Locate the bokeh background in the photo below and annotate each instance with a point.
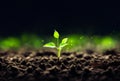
(67, 17)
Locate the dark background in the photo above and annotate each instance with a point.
(65, 16)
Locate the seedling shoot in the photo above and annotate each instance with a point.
(58, 45)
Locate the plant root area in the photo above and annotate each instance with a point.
(71, 66)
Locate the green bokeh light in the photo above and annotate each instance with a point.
(108, 42)
(74, 41)
(31, 40)
(10, 42)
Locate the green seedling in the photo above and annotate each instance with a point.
(57, 45)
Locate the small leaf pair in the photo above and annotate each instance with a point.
(57, 45)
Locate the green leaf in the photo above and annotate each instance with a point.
(50, 44)
(63, 45)
(56, 34)
(64, 40)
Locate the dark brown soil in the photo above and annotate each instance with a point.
(45, 66)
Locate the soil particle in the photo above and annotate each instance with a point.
(79, 55)
(89, 51)
(110, 52)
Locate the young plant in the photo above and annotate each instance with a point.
(57, 45)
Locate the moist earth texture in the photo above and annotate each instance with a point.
(71, 66)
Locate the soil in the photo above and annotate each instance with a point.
(71, 66)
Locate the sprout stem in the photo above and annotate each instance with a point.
(57, 42)
(59, 52)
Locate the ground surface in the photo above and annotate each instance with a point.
(45, 66)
